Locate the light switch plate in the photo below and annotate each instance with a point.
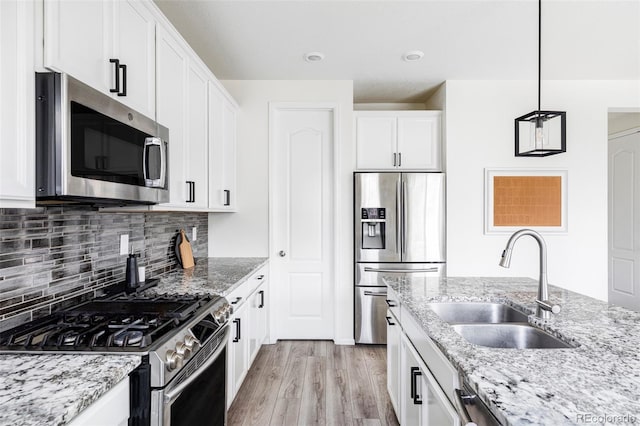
(124, 244)
(194, 233)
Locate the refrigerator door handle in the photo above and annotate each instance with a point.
(398, 215)
(400, 271)
(405, 218)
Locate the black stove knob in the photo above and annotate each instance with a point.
(174, 360)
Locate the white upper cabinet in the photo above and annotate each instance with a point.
(171, 97)
(398, 140)
(376, 140)
(134, 41)
(17, 104)
(108, 45)
(196, 138)
(222, 151)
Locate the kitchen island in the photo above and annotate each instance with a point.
(597, 381)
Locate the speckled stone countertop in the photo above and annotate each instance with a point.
(214, 275)
(46, 389)
(53, 389)
(596, 382)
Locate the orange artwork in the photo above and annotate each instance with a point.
(527, 201)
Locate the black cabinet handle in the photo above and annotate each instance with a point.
(394, 159)
(261, 293)
(236, 301)
(390, 303)
(389, 321)
(399, 159)
(259, 277)
(192, 191)
(227, 197)
(415, 373)
(116, 64)
(238, 328)
(123, 67)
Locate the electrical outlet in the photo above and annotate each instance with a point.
(194, 233)
(124, 244)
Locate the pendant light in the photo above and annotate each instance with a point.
(541, 133)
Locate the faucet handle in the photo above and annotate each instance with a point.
(547, 306)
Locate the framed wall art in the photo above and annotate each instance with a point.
(525, 198)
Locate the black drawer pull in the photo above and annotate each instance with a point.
(261, 293)
(235, 302)
(389, 321)
(391, 303)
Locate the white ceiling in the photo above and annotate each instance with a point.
(364, 41)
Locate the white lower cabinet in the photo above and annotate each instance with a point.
(422, 400)
(258, 319)
(238, 353)
(393, 360)
(111, 409)
(248, 328)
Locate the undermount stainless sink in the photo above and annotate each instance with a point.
(495, 325)
(511, 336)
(476, 312)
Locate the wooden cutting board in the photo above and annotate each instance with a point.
(186, 254)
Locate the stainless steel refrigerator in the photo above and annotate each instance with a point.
(399, 230)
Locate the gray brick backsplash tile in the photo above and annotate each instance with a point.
(54, 257)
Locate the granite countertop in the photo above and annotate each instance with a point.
(49, 389)
(600, 377)
(53, 389)
(214, 275)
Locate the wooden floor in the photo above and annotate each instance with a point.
(315, 383)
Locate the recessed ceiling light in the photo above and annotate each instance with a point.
(313, 56)
(414, 55)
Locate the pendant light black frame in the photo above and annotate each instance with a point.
(538, 118)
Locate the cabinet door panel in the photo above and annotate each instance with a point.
(196, 142)
(171, 92)
(222, 145)
(375, 142)
(77, 40)
(17, 97)
(393, 360)
(419, 143)
(238, 361)
(134, 41)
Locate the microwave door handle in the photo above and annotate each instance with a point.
(163, 164)
(148, 142)
(173, 394)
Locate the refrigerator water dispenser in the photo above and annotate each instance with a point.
(373, 228)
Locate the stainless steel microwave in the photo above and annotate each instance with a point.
(91, 149)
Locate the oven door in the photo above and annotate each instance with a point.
(199, 399)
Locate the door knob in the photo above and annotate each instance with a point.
(282, 253)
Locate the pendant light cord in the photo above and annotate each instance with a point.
(539, 49)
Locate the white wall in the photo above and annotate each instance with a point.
(480, 133)
(246, 233)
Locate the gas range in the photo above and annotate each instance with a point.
(169, 330)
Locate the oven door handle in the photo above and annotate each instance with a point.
(173, 394)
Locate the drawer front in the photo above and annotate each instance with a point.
(445, 374)
(393, 303)
(257, 278)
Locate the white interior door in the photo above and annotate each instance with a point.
(302, 221)
(624, 220)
